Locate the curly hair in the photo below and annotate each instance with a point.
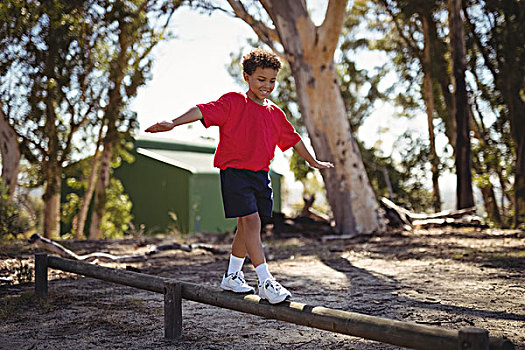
(260, 58)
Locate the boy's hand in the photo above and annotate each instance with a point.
(321, 165)
(160, 127)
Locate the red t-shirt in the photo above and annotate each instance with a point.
(248, 131)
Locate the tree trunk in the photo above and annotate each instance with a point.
(491, 204)
(348, 190)
(100, 192)
(10, 154)
(111, 114)
(517, 124)
(310, 52)
(428, 96)
(88, 195)
(439, 67)
(505, 62)
(80, 221)
(464, 195)
(487, 191)
(51, 199)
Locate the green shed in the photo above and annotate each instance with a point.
(174, 184)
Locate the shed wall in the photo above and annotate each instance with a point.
(156, 190)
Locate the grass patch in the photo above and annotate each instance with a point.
(11, 305)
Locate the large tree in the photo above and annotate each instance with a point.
(62, 72)
(496, 30)
(44, 79)
(411, 18)
(464, 194)
(309, 49)
(139, 26)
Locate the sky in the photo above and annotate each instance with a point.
(191, 69)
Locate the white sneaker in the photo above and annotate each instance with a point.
(235, 282)
(272, 291)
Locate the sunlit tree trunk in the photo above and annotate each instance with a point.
(464, 194)
(102, 184)
(88, 195)
(10, 154)
(111, 114)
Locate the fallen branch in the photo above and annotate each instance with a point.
(468, 220)
(62, 251)
(399, 216)
(55, 248)
(185, 247)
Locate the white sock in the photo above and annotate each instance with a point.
(235, 264)
(263, 273)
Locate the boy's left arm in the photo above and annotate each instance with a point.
(314, 163)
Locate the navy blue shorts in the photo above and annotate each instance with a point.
(245, 192)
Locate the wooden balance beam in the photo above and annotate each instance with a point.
(405, 334)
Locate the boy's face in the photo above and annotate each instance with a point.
(261, 83)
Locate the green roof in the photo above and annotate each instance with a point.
(194, 162)
(172, 145)
(194, 157)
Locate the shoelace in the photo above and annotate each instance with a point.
(274, 284)
(239, 277)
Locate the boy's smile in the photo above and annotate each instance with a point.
(261, 83)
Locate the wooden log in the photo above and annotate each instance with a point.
(453, 214)
(473, 339)
(172, 310)
(127, 278)
(41, 275)
(384, 330)
(398, 216)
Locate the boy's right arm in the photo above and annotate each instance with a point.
(192, 115)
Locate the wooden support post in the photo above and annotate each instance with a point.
(172, 310)
(473, 339)
(41, 275)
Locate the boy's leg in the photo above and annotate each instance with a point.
(250, 227)
(238, 245)
(251, 232)
(238, 251)
(248, 239)
(233, 280)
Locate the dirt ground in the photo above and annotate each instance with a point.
(449, 278)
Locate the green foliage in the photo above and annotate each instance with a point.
(117, 214)
(299, 167)
(407, 178)
(12, 222)
(68, 72)
(118, 211)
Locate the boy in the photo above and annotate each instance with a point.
(250, 127)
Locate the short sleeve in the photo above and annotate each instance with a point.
(215, 113)
(288, 137)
